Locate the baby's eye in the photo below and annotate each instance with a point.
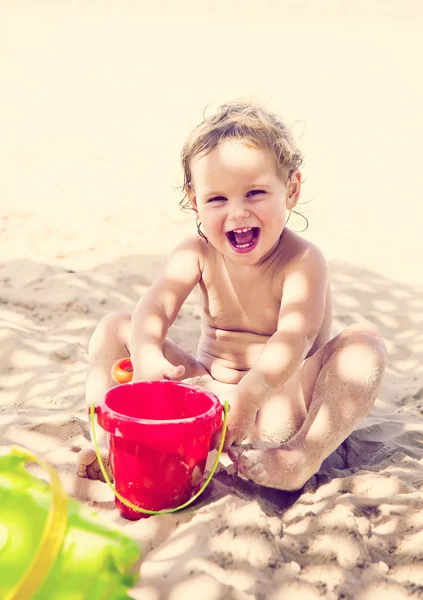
(255, 192)
(216, 199)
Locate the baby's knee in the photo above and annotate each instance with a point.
(362, 355)
(112, 323)
(112, 328)
(364, 333)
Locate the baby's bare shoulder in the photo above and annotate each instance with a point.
(297, 256)
(185, 263)
(192, 242)
(193, 247)
(299, 251)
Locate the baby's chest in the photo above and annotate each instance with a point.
(252, 307)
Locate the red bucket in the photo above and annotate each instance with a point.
(159, 435)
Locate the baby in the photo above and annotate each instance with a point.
(295, 394)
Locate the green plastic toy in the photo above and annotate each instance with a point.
(53, 549)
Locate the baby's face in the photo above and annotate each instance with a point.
(240, 198)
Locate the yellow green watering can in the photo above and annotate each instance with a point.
(51, 548)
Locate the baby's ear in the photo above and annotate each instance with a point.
(291, 201)
(293, 190)
(189, 190)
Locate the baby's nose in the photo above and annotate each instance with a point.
(238, 211)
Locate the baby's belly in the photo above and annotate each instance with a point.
(228, 355)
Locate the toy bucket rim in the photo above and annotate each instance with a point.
(216, 408)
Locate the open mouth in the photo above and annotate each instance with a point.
(245, 239)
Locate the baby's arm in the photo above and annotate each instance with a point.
(300, 318)
(157, 309)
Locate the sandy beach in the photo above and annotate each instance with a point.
(96, 101)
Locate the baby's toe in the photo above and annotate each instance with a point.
(96, 467)
(92, 473)
(89, 467)
(108, 468)
(86, 457)
(81, 471)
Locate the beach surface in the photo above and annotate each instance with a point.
(97, 99)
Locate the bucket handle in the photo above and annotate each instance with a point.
(165, 510)
(52, 536)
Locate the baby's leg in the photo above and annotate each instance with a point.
(108, 343)
(339, 385)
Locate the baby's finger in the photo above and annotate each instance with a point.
(172, 372)
(229, 440)
(234, 454)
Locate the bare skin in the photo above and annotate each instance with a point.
(293, 432)
(295, 395)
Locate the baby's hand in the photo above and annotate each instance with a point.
(241, 419)
(157, 370)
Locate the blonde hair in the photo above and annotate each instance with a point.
(255, 125)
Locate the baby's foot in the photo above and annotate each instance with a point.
(88, 465)
(282, 468)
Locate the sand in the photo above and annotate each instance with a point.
(95, 104)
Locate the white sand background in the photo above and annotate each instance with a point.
(96, 99)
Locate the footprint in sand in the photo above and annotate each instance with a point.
(67, 353)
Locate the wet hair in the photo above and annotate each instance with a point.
(256, 126)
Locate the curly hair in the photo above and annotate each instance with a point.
(253, 124)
